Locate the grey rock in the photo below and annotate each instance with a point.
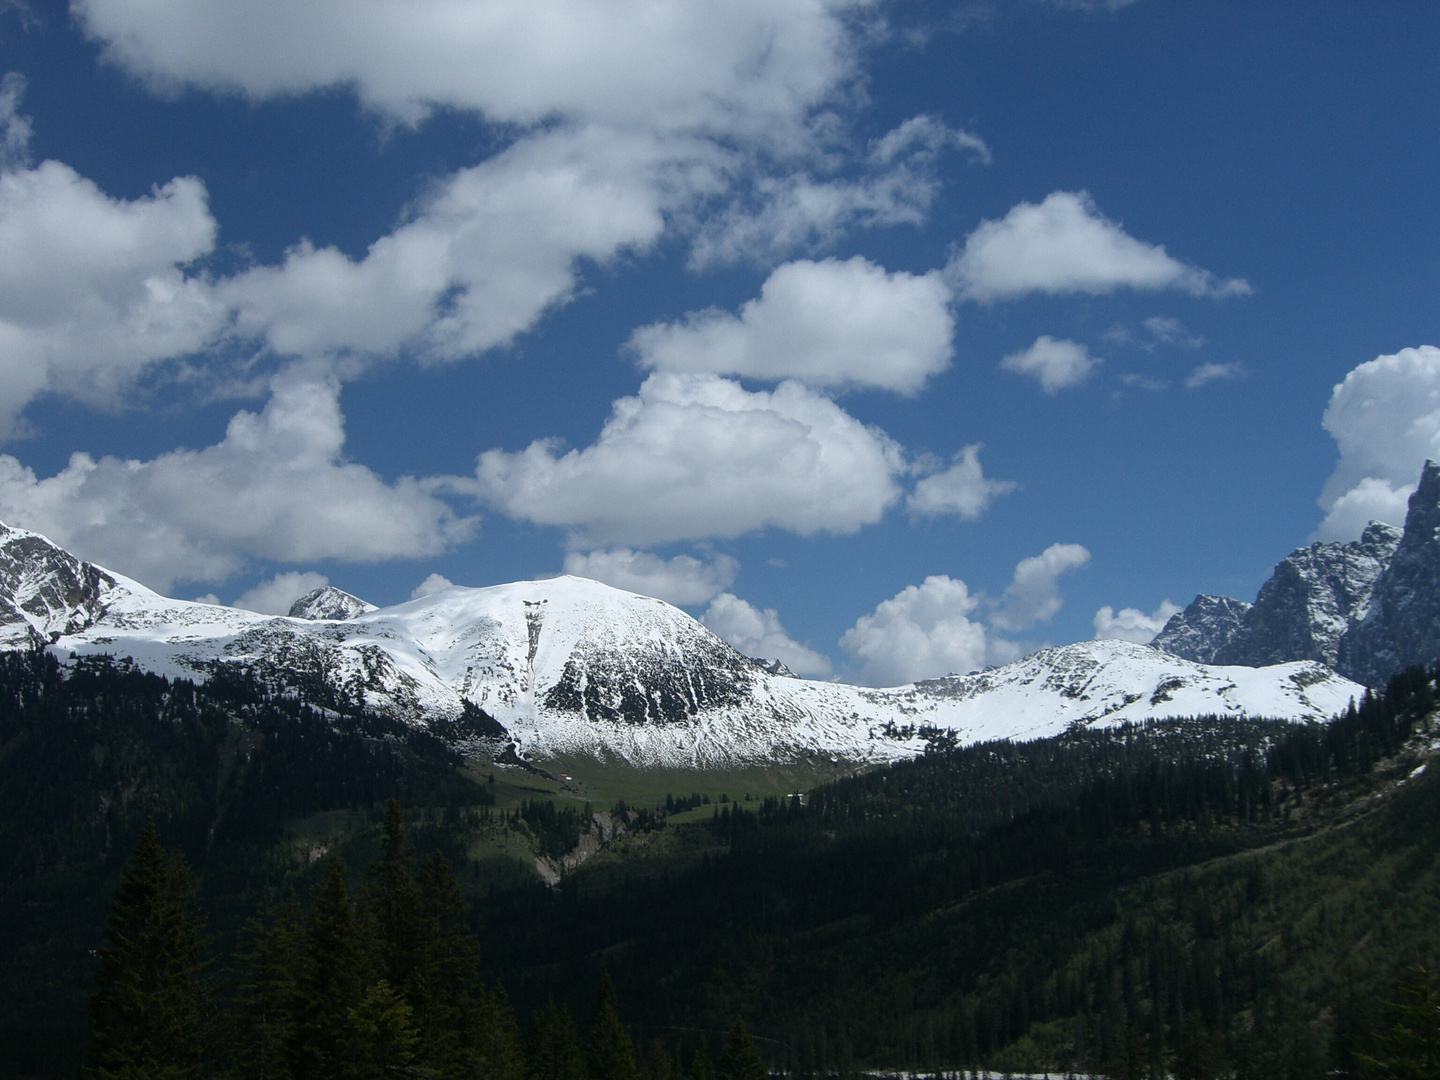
(1204, 628)
(1401, 625)
(44, 590)
(1316, 592)
(330, 604)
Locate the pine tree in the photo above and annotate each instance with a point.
(701, 1066)
(497, 1054)
(609, 1053)
(335, 974)
(1412, 1045)
(147, 1012)
(740, 1060)
(266, 1021)
(394, 902)
(551, 1050)
(445, 989)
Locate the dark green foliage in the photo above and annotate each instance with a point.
(147, 1010)
(88, 754)
(1410, 1049)
(609, 1052)
(552, 1052)
(1074, 902)
(557, 829)
(335, 978)
(740, 1060)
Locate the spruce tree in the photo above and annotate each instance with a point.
(740, 1060)
(701, 1066)
(552, 1051)
(609, 1053)
(147, 1012)
(445, 990)
(496, 1049)
(336, 971)
(266, 1001)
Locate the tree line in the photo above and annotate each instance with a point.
(351, 984)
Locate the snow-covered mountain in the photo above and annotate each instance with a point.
(1367, 608)
(570, 666)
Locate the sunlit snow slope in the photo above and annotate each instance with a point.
(570, 666)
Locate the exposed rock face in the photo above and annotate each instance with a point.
(329, 603)
(1367, 608)
(44, 590)
(1402, 624)
(1311, 600)
(1204, 628)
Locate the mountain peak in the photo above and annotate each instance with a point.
(329, 604)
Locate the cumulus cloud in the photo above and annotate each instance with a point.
(1208, 373)
(1132, 624)
(1033, 594)
(433, 584)
(681, 580)
(961, 489)
(693, 456)
(828, 323)
(92, 289)
(1056, 365)
(274, 596)
(923, 632)
(277, 487)
(1065, 245)
(485, 255)
(758, 633)
(1385, 419)
(672, 65)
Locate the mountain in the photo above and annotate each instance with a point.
(328, 602)
(568, 666)
(1400, 626)
(1367, 608)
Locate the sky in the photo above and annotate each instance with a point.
(889, 339)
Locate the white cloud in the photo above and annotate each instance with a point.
(1208, 373)
(1385, 418)
(91, 288)
(669, 65)
(1132, 624)
(758, 633)
(1033, 594)
(486, 254)
(1056, 365)
(961, 489)
(433, 584)
(682, 580)
(209, 598)
(276, 487)
(828, 323)
(14, 128)
(771, 215)
(923, 632)
(275, 595)
(695, 456)
(1064, 245)
(1171, 331)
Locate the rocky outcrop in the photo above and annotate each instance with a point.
(1367, 608)
(1401, 626)
(329, 603)
(1199, 632)
(1311, 600)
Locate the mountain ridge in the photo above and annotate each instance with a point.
(1366, 608)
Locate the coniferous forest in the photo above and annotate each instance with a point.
(222, 879)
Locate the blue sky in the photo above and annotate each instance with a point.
(891, 339)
